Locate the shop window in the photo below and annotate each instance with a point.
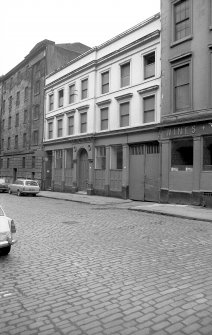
(116, 157)
(100, 158)
(149, 65)
(58, 159)
(207, 153)
(69, 158)
(182, 155)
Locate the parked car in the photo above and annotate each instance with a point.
(7, 231)
(4, 181)
(24, 186)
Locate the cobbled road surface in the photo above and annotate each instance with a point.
(84, 269)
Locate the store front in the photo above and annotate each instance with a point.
(186, 162)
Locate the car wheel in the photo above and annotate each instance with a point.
(5, 251)
(9, 191)
(18, 193)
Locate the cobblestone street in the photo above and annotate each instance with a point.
(84, 269)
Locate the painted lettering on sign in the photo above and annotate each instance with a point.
(197, 129)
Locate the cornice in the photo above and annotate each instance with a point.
(148, 89)
(124, 96)
(104, 102)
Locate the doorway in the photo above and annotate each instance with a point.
(83, 170)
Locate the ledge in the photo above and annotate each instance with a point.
(124, 96)
(148, 89)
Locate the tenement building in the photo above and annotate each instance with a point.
(22, 108)
(102, 113)
(186, 104)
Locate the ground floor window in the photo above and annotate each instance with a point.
(100, 159)
(207, 153)
(182, 155)
(116, 157)
(58, 159)
(69, 158)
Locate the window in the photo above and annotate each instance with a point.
(50, 130)
(149, 65)
(10, 103)
(16, 142)
(25, 115)
(23, 162)
(8, 143)
(124, 114)
(59, 128)
(182, 154)
(3, 124)
(11, 83)
(58, 159)
(207, 153)
(71, 93)
(37, 67)
(17, 119)
(60, 98)
(71, 125)
(35, 137)
(182, 98)
(104, 118)
(2, 144)
(3, 107)
(8, 163)
(149, 109)
(105, 82)
(36, 112)
(37, 87)
(26, 93)
(9, 122)
(84, 88)
(51, 102)
(33, 161)
(125, 74)
(69, 158)
(101, 158)
(83, 122)
(24, 140)
(182, 20)
(116, 153)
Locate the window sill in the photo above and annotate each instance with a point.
(182, 40)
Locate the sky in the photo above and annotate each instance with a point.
(24, 23)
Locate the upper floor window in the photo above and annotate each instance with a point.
(17, 119)
(10, 103)
(124, 114)
(37, 87)
(105, 82)
(59, 128)
(25, 115)
(8, 143)
(182, 20)
(17, 98)
(149, 109)
(36, 112)
(9, 122)
(84, 88)
(2, 144)
(24, 140)
(3, 107)
(50, 130)
(16, 141)
(60, 98)
(51, 102)
(149, 65)
(182, 99)
(11, 83)
(125, 74)
(35, 137)
(26, 93)
(71, 93)
(71, 125)
(83, 122)
(104, 118)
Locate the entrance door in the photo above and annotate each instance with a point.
(83, 171)
(48, 171)
(144, 172)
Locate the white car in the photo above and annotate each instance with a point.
(7, 231)
(24, 186)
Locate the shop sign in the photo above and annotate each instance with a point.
(188, 130)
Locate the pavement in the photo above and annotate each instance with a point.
(182, 211)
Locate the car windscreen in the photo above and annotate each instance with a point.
(31, 183)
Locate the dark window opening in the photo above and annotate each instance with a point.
(182, 155)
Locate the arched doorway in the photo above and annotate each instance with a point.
(83, 170)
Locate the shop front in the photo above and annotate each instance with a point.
(186, 163)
